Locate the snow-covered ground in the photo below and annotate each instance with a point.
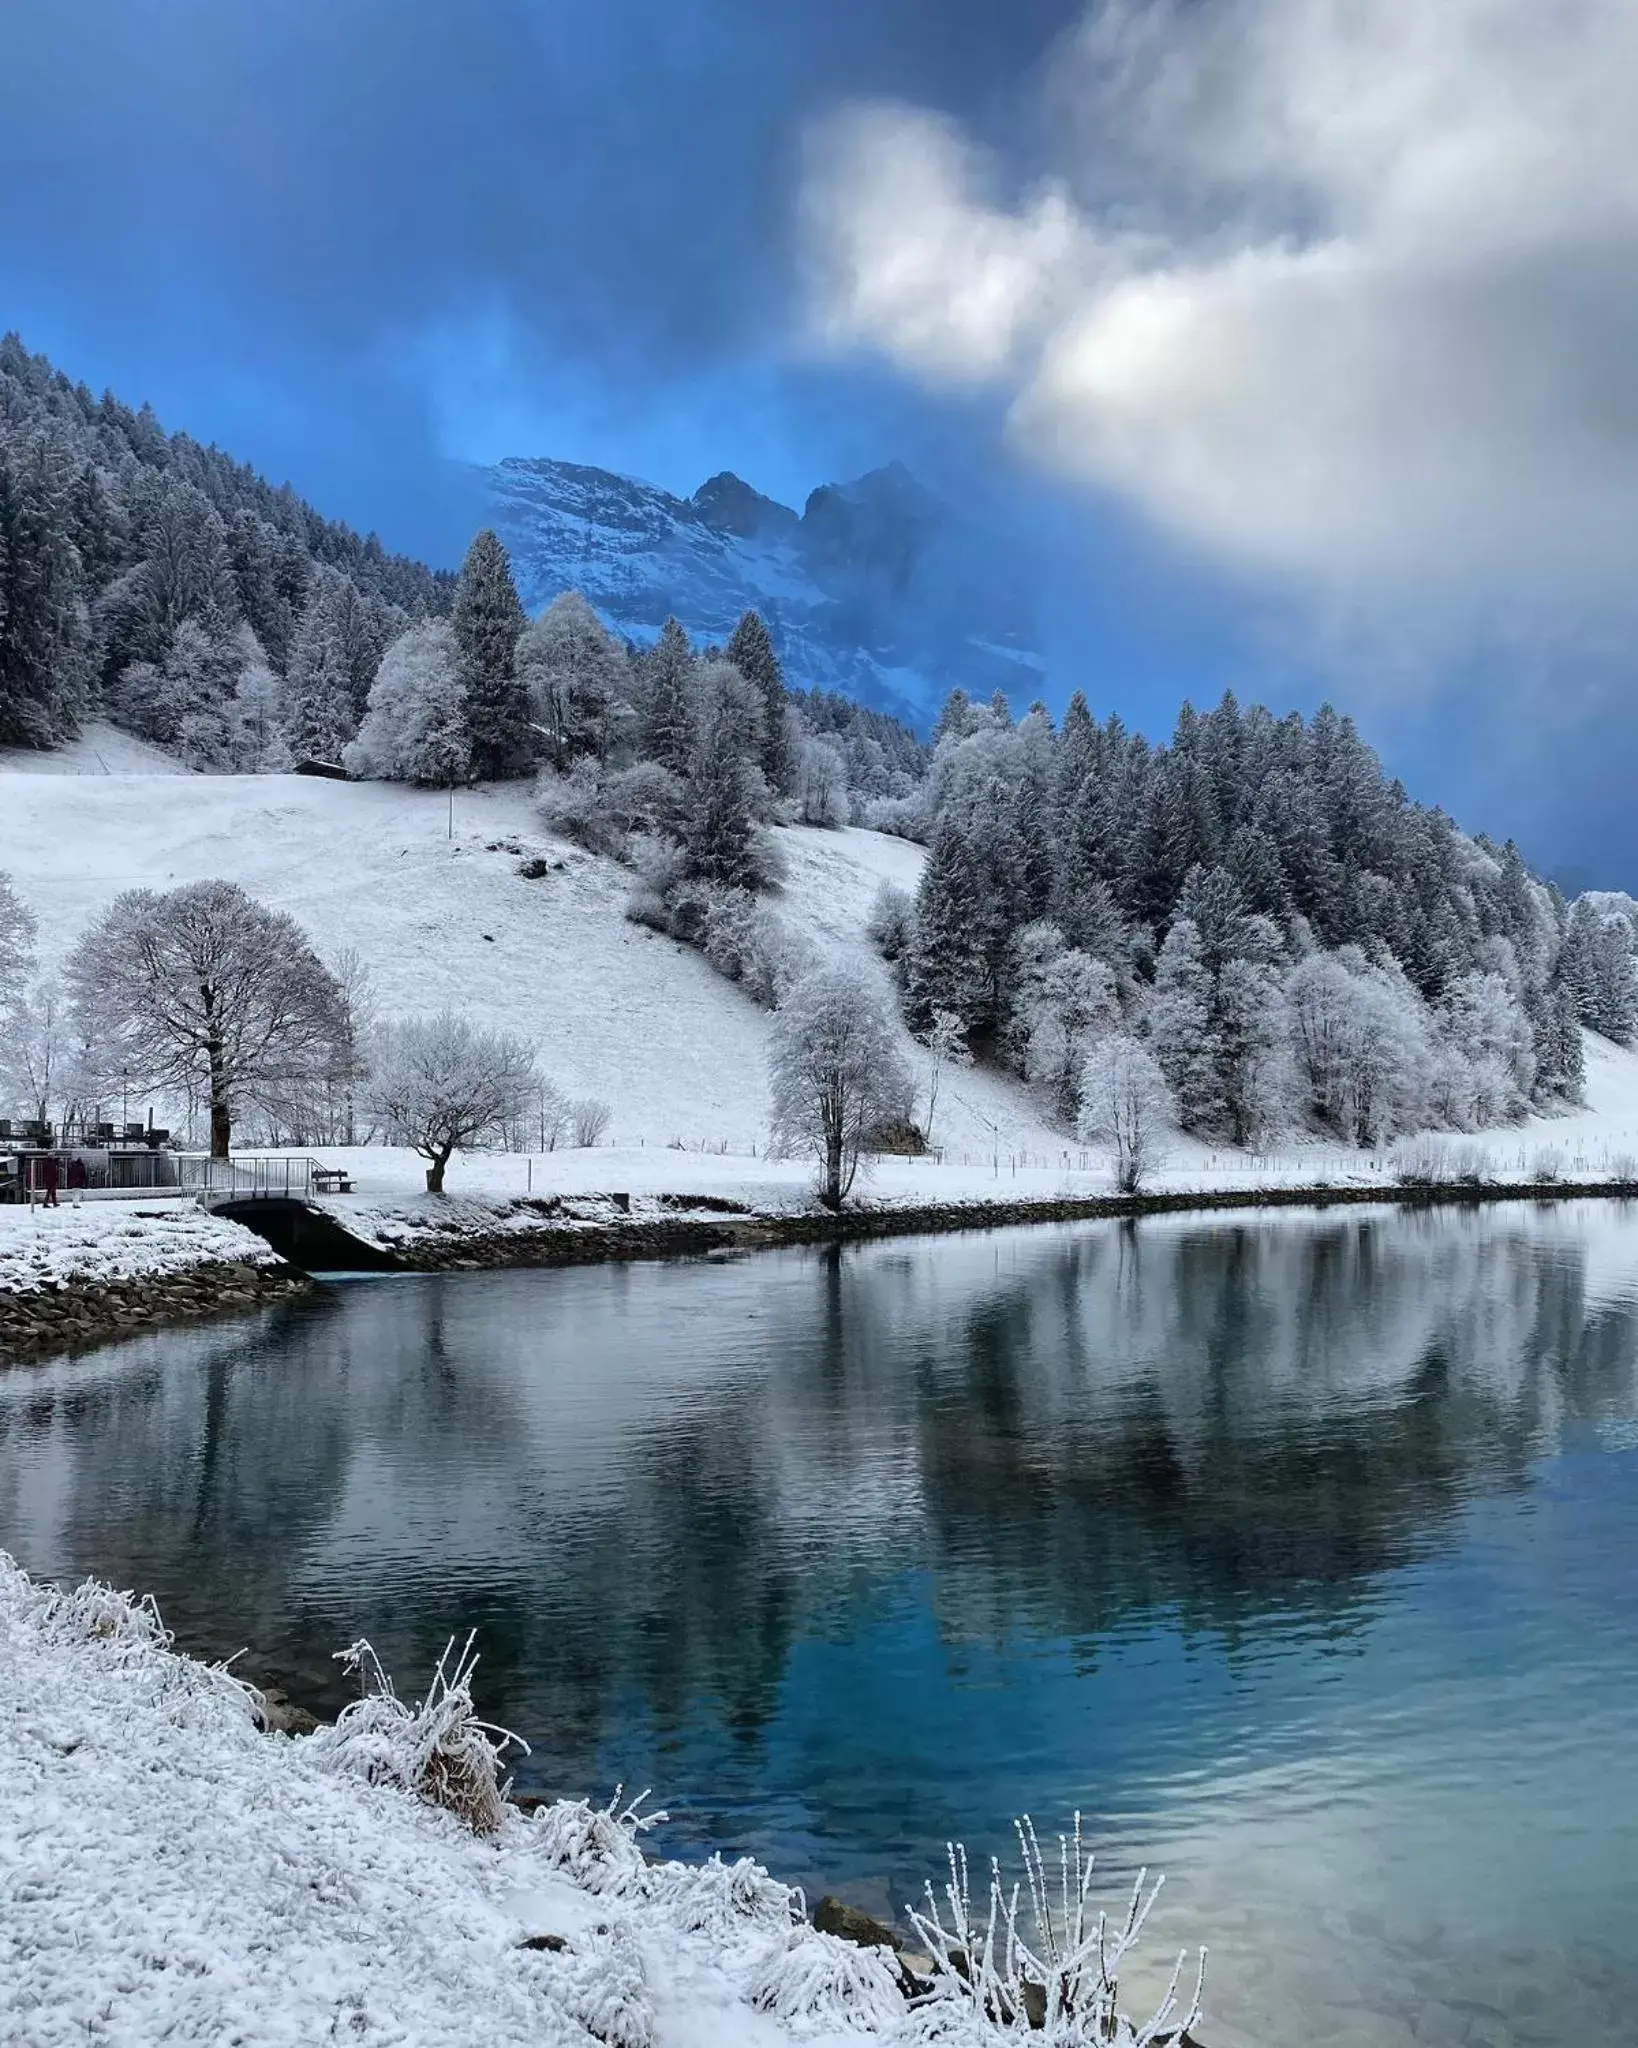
(172, 1874)
(619, 1012)
(117, 1241)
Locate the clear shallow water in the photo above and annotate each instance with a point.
(1299, 1553)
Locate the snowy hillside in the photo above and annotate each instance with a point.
(618, 1011)
(875, 590)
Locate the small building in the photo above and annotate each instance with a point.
(97, 1161)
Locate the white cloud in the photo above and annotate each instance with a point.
(1346, 290)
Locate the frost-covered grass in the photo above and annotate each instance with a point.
(109, 1241)
(172, 1874)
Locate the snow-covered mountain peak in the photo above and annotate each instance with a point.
(876, 589)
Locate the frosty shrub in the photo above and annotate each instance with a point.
(1052, 1967)
(1547, 1167)
(1125, 1103)
(835, 1071)
(589, 1119)
(598, 1847)
(438, 1749)
(904, 817)
(95, 1612)
(603, 1984)
(610, 810)
(1622, 1168)
(891, 925)
(724, 1899)
(816, 1983)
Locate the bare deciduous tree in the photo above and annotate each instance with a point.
(836, 1072)
(207, 991)
(440, 1083)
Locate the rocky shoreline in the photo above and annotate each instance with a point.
(76, 1315)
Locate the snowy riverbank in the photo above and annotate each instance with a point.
(172, 1873)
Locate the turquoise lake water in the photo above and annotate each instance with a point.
(1299, 1553)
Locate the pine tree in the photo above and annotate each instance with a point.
(720, 836)
(489, 621)
(319, 717)
(44, 633)
(665, 729)
(752, 652)
(947, 968)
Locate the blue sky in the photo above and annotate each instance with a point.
(1268, 393)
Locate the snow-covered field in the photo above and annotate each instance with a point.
(117, 1241)
(170, 1873)
(617, 1011)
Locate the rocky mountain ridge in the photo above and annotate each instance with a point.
(876, 588)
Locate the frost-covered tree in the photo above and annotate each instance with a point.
(751, 651)
(1482, 1017)
(186, 701)
(1126, 1103)
(821, 783)
(835, 1071)
(204, 989)
(1064, 1002)
(36, 1051)
(255, 718)
(579, 682)
(18, 932)
(947, 1048)
(441, 1083)
(488, 622)
(415, 727)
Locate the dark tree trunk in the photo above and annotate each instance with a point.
(435, 1174)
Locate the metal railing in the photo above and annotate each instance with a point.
(242, 1179)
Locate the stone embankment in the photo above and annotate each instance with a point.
(75, 1314)
(549, 1232)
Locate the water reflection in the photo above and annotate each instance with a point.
(1259, 1533)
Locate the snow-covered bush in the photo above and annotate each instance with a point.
(1125, 1103)
(1052, 1968)
(816, 1983)
(725, 1899)
(902, 817)
(437, 1748)
(605, 1987)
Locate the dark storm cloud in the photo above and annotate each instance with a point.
(295, 197)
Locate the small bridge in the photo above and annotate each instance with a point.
(275, 1198)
